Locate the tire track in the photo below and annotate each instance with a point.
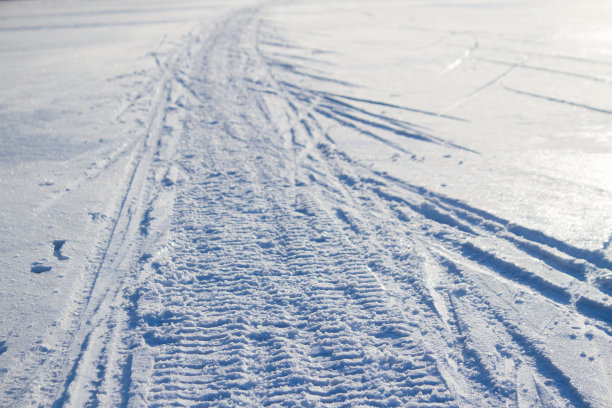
(261, 299)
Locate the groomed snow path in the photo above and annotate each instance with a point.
(255, 263)
(263, 299)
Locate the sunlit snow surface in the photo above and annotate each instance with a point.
(345, 203)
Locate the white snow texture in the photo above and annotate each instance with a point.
(306, 203)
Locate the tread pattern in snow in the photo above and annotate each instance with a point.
(252, 308)
(263, 299)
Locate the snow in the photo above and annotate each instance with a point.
(348, 203)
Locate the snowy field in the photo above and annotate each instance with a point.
(306, 203)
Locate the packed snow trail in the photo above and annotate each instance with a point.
(254, 262)
(262, 299)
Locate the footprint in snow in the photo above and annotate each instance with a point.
(57, 249)
(39, 267)
(42, 266)
(96, 216)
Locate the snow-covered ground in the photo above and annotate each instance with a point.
(306, 203)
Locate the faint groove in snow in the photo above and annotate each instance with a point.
(479, 90)
(563, 101)
(548, 70)
(365, 132)
(389, 105)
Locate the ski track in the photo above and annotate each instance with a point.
(254, 263)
